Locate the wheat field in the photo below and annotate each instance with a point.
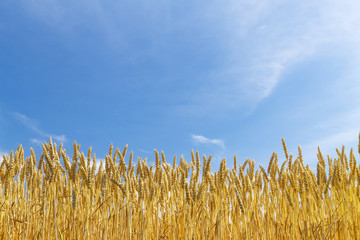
(42, 198)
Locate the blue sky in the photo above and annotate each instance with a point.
(220, 77)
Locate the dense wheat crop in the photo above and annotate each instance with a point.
(60, 197)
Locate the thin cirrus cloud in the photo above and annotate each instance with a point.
(279, 43)
(33, 125)
(242, 76)
(36, 141)
(258, 43)
(144, 151)
(204, 140)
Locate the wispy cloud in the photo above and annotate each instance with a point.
(60, 138)
(36, 141)
(201, 139)
(144, 151)
(276, 36)
(33, 125)
(260, 40)
(28, 122)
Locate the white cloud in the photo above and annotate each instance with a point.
(36, 141)
(28, 122)
(259, 41)
(33, 125)
(144, 151)
(60, 138)
(266, 39)
(202, 139)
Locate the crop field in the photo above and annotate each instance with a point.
(62, 195)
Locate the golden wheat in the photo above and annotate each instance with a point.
(44, 199)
